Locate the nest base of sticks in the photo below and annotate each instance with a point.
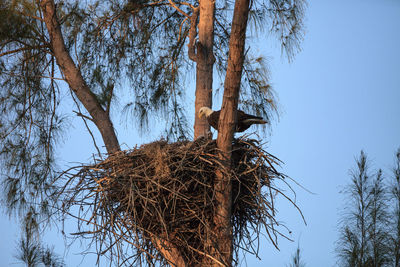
(166, 191)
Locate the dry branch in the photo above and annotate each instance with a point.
(166, 190)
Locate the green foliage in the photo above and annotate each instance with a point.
(395, 225)
(130, 50)
(284, 18)
(134, 45)
(378, 231)
(354, 229)
(29, 248)
(368, 235)
(29, 121)
(259, 97)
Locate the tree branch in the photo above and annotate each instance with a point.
(173, 4)
(22, 49)
(75, 80)
(192, 34)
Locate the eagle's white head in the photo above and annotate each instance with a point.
(205, 112)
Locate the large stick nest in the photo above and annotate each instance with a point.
(165, 192)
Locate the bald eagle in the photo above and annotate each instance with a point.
(244, 120)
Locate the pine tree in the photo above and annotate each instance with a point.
(395, 216)
(30, 250)
(378, 232)
(97, 49)
(296, 259)
(364, 232)
(353, 250)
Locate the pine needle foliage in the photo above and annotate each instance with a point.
(30, 250)
(364, 229)
(30, 123)
(139, 44)
(296, 259)
(125, 50)
(395, 215)
(285, 20)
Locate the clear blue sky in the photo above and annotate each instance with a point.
(340, 95)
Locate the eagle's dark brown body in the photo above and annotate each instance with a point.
(244, 120)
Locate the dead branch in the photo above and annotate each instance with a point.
(164, 193)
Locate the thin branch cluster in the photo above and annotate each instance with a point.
(164, 191)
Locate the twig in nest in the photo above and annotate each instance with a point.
(166, 190)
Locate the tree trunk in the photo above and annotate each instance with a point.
(170, 253)
(99, 116)
(205, 63)
(227, 122)
(75, 80)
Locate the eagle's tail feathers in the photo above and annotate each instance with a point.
(254, 121)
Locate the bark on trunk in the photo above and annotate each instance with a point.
(205, 63)
(75, 80)
(227, 122)
(170, 253)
